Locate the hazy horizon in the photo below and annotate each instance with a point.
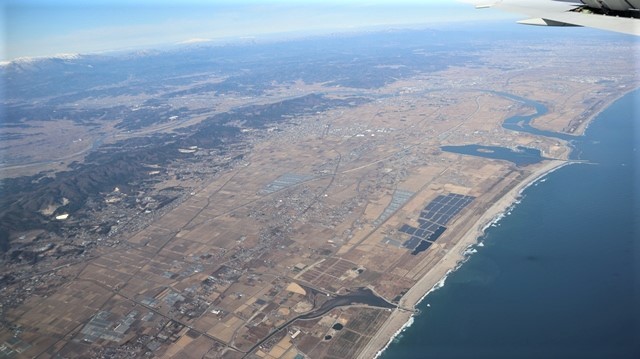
(41, 29)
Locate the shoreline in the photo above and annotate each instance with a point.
(608, 104)
(435, 278)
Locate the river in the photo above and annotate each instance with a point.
(560, 276)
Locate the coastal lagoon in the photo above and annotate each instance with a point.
(521, 156)
(559, 275)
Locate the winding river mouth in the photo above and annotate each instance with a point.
(520, 155)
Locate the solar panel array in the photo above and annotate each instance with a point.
(433, 220)
(284, 181)
(400, 197)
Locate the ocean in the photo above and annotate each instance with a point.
(559, 276)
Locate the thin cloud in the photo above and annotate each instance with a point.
(126, 26)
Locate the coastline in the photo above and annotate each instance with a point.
(401, 319)
(585, 125)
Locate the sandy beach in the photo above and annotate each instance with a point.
(450, 261)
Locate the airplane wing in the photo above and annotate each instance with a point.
(614, 15)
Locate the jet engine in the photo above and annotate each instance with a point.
(607, 6)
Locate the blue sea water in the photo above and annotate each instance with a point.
(560, 276)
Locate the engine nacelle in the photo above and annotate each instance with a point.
(613, 5)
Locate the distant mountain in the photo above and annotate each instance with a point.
(129, 91)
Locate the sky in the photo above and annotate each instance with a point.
(31, 28)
